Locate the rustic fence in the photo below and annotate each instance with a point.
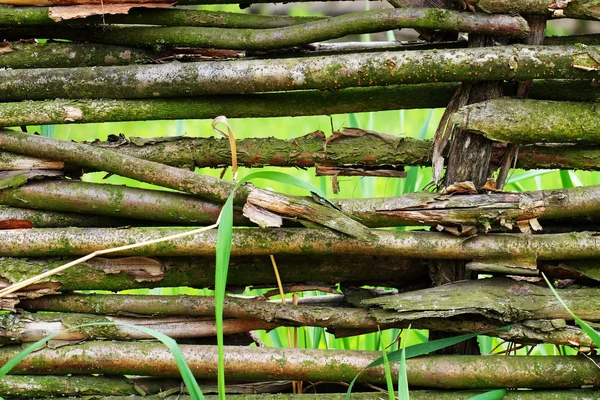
(514, 99)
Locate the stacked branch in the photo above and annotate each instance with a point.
(339, 248)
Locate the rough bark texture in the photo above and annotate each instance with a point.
(260, 363)
(531, 121)
(290, 74)
(117, 274)
(159, 38)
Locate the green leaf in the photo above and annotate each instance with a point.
(388, 372)
(186, 373)
(402, 377)
(491, 395)
(591, 332)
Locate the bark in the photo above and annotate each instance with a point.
(581, 9)
(37, 326)
(259, 363)
(548, 326)
(258, 105)
(68, 55)
(115, 274)
(50, 385)
(486, 211)
(581, 394)
(511, 250)
(531, 121)
(265, 104)
(160, 38)
(116, 201)
(165, 17)
(159, 174)
(28, 218)
(290, 74)
(499, 299)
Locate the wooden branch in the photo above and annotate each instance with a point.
(123, 273)
(37, 326)
(50, 385)
(259, 363)
(375, 395)
(148, 16)
(265, 104)
(13, 218)
(163, 175)
(116, 201)
(68, 55)
(531, 121)
(517, 251)
(289, 74)
(582, 9)
(160, 38)
(528, 324)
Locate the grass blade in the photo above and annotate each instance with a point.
(491, 395)
(223, 253)
(388, 371)
(591, 332)
(417, 350)
(402, 378)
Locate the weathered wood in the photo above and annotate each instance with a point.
(582, 9)
(531, 121)
(162, 37)
(159, 174)
(332, 72)
(116, 274)
(308, 365)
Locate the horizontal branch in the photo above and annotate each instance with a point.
(38, 326)
(67, 55)
(164, 16)
(160, 38)
(261, 363)
(582, 9)
(511, 250)
(414, 394)
(116, 201)
(518, 311)
(116, 274)
(258, 105)
(13, 218)
(266, 104)
(289, 74)
(51, 385)
(531, 121)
